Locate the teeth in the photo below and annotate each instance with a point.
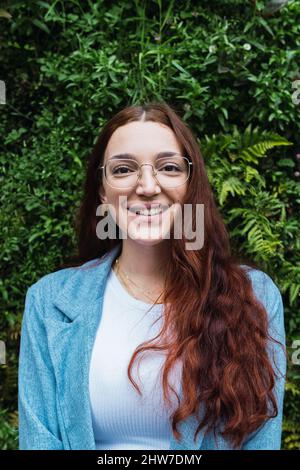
(153, 211)
(149, 212)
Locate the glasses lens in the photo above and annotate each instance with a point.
(170, 172)
(121, 173)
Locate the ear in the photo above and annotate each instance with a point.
(101, 194)
(103, 198)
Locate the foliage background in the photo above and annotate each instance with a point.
(228, 68)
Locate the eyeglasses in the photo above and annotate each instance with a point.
(169, 172)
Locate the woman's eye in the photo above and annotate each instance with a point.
(121, 170)
(169, 168)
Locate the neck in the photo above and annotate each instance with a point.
(142, 261)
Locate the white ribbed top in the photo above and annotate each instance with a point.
(122, 419)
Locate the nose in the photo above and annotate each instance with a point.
(147, 183)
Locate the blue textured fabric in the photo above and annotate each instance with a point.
(61, 316)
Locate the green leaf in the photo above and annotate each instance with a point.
(5, 14)
(41, 25)
(179, 67)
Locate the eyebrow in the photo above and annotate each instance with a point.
(125, 156)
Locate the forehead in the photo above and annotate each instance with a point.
(142, 138)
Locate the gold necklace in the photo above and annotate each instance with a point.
(144, 291)
(130, 289)
(125, 278)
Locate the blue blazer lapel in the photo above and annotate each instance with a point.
(71, 342)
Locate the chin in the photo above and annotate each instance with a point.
(145, 237)
(146, 242)
(144, 232)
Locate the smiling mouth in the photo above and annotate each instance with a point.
(148, 213)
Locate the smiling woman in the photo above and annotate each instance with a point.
(216, 339)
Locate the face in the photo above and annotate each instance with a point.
(144, 140)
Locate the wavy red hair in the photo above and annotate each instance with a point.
(219, 329)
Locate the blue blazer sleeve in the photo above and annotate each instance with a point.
(38, 423)
(268, 436)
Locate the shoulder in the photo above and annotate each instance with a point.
(268, 293)
(57, 279)
(41, 293)
(65, 294)
(264, 286)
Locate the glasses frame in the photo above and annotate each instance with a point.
(154, 173)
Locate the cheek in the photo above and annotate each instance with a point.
(112, 196)
(118, 204)
(177, 196)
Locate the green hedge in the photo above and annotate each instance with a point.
(227, 67)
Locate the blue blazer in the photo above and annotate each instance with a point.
(61, 316)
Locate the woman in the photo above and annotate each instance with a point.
(212, 328)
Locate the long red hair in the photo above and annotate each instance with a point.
(219, 329)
